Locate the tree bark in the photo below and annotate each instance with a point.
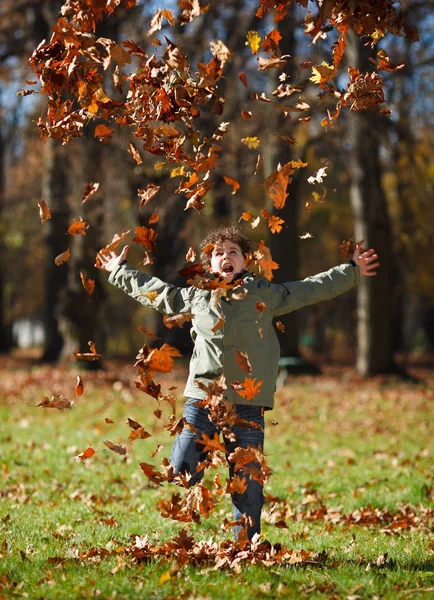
(5, 332)
(374, 294)
(54, 192)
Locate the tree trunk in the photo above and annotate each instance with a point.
(5, 333)
(54, 192)
(374, 294)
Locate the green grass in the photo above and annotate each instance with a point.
(337, 443)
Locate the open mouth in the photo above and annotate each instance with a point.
(228, 269)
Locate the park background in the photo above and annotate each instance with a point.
(350, 439)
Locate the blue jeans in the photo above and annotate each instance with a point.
(187, 453)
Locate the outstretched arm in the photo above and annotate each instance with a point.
(147, 290)
(294, 295)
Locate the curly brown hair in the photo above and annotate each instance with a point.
(230, 233)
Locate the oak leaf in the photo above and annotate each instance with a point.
(78, 227)
(56, 401)
(177, 320)
(118, 448)
(146, 236)
(150, 472)
(249, 388)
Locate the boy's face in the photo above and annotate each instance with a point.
(227, 259)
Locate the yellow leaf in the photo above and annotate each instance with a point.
(164, 577)
(253, 40)
(178, 172)
(251, 142)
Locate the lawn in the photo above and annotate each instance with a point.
(349, 509)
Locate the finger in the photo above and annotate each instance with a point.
(123, 254)
(375, 266)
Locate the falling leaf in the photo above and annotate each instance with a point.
(253, 41)
(178, 172)
(280, 326)
(273, 221)
(135, 153)
(161, 359)
(78, 227)
(151, 473)
(56, 401)
(139, 433)
(44, 211)
(107, 420)
(157, 450)
(243, 361)
(348, 248)
(246, 216)
(243, 79)
(118, 448)
(264, 260)
(103, 133)
(233, 182)
(88, 284)
(89, 190)
(318, 177)
(153, 218)
(322, 73)
(86, 454)
(117, 239)
(246, 114)
(177, 320)
(306, 236)
(236, 485)
(146, 236)
(248, 389)
(258, 164)
(147, 194)
(62, 258)
(92, 355)
(211, 443)
(251, 142)
(191, 255)
(79, 386)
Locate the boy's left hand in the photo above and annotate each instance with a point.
(368, 261)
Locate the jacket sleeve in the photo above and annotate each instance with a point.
(287, 297)
(170, 300)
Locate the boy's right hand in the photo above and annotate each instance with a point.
(109, 262)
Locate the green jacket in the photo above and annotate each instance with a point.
(245, 328)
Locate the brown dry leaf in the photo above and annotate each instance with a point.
(348, 248)
(86, 453)
(88, 284)
(79, 386)
(147, 194)
(103, 133)
(177, 320)
(56, 401)
(107, 420)
(150, 472)
(134, 153)
(306, 236)
(62, 258)
(243, 79)
(261, 307)
(243, 361)
(147, 237)
(236, 485)
(157, 450)
(246, 216)
(146, 332)
(273, 221)
(191, 255)
(280, 326)
(118, 448)
(139, 434)
(92, 355)
(117, 239)
(78, 227)
(89, 190)
(44, 211)
(246, 114)
(233, 182)
(264, 260)
(258, 164)
(211, 444)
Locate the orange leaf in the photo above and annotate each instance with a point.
(86, 454)
(56, 401)
(211, 443)
(249, 388)
(134, 153)
(261, 307)
(264, 261)
(146, 236)
(88, 284)
(79, 386)
(153, 218)
(236, 485)
(246, 114)
(219, 324)
(177, 320)
(78, 227)
(247, 216)
(161, 359)
(280, 326)
(103, 132)
(233, 182)
(151, 473)
(148, 194)
(44, 211)
(64, 257)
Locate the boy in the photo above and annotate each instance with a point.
(240, 321)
